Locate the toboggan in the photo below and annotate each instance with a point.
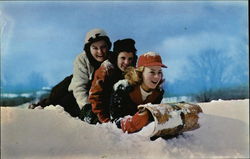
(173, 118)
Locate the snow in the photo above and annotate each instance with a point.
(174, 121)
(122, 83)
(148, 130)
(151, 54)
(27, 95)
(178, 99)
(52, 133)
(107, 65)
(9, 95)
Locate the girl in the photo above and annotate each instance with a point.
(141, 85)
(96, 50)
(72, 92)
(110, 72)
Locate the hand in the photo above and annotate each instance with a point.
(87, 115)
(118, 123)
(103, 118)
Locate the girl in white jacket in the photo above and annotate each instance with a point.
(96, 50)
(72, 92)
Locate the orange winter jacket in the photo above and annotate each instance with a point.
(140, 119)
(102, 85)
(125, 100)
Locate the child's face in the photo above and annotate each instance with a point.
(151, 76)
(99, 50)
(124, 60)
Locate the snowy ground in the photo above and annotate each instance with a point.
(52, 133)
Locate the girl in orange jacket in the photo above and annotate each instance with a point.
(141, 85)
(110, 72)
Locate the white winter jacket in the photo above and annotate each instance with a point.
(82, 77)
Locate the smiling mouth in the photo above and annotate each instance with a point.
(124, 66)
(154, 82)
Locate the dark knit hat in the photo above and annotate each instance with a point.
(127, 45)
(150, 59)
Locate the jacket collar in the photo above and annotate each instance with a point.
(136, 96)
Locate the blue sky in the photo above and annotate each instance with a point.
(43, 38)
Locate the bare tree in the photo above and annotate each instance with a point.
(207, 72)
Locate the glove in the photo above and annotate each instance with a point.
(118, 123)
(87, 115)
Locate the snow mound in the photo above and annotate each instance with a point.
(53, 133)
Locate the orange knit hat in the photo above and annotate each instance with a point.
(150, 59)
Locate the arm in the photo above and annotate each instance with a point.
(96, 94)
(140, 119)
(119, 99)
(80, 83)
(136, 122)
(115, 105)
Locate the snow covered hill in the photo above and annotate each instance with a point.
(52, 133)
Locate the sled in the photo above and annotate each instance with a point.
(173, 118)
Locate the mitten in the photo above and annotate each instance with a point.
(118, 123)
(87, 115)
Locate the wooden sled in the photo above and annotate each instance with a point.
(173, 118)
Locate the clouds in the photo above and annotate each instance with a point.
(178, 52)
(6, 30)
(45, 37)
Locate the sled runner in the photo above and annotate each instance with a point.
(173, 118)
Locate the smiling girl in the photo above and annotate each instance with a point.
(72, 92)
(141, 85)
(110, 72)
